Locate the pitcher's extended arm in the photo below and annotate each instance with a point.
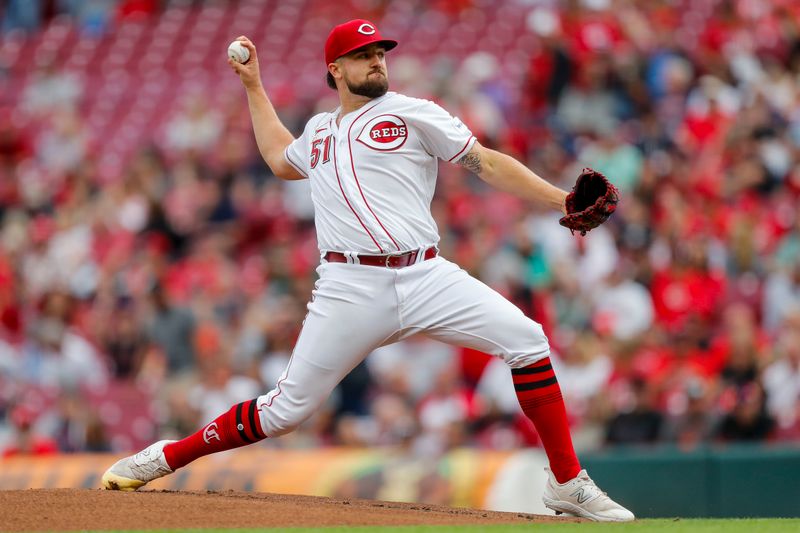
(272, 136)
(506, 173)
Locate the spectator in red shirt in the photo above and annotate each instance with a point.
(26, 440)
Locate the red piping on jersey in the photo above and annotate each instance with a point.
(353, 166)
(465, 147)
(336, 168)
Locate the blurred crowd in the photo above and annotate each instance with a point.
(139, 307)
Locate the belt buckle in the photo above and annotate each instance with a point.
(390, 256)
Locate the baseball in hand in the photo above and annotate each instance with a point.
(238, 52)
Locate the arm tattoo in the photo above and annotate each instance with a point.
(472, 162)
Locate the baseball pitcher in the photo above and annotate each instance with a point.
(372, 164)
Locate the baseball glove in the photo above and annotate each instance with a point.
(591, 202)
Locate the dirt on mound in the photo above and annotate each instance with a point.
(75, 509)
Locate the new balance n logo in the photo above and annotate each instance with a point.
(581, 495)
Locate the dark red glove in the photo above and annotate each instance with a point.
(591, 202)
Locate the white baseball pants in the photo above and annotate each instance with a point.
(355, 309)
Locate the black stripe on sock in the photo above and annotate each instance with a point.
(251, 414)
(522, 387)
(240, 426)
(541, 400)
(531, 370)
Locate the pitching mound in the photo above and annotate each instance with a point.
(73, 509)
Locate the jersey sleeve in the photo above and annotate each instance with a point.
(442, 134)
(298, 153)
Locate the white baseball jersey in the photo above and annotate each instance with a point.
(373, 175)
(372, 181)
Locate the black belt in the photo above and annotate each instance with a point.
(398, 260)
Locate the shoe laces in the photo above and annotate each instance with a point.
(146, 462)
(588, 484)
(143, 457)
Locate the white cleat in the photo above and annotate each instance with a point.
(137, 470)
(582, 498)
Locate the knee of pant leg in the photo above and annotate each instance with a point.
(533, 347)
(276, 422)
(524, 360)
(276, 425)
(279, 416)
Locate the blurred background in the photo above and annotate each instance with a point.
(153, 272)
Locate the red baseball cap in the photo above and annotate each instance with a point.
(346, 37)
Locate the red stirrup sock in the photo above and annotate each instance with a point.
(540, 398)
(238, 427)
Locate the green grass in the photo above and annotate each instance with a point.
(744, 525)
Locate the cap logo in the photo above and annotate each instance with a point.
(384, 133)
(366, 29)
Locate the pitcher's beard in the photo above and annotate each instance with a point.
(371, 88)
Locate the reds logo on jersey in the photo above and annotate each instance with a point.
(384, 133)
